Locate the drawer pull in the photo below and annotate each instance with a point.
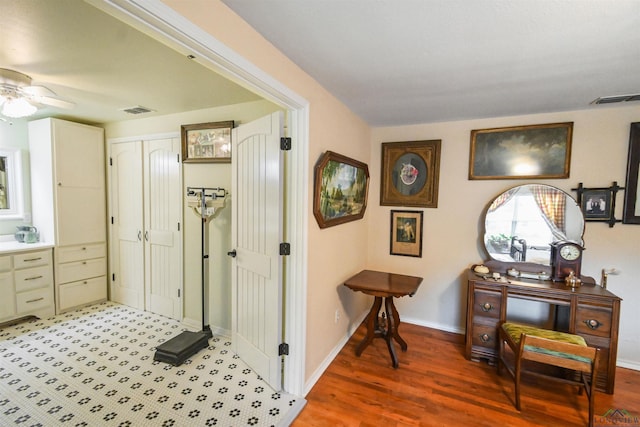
(84, 262)
(84, 249)
(35, 300)
(593, 324)
(486, 306)
(33, 278)
(33, 259)
(485, 338)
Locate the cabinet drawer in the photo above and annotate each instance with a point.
(487, 304)
(484, 336)
(74, 271)
(591, 320)
(5, 263)
(82, 292)
(80, 252)
(34, 300)
(31, 259)
(33, 278)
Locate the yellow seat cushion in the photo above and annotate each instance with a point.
(515, 331)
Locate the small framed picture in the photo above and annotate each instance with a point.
(597, 204)
(406, 233)
(207, 142)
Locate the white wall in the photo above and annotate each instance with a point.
(452, 231)
(202, 175)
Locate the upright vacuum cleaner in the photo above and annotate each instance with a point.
(207, 204)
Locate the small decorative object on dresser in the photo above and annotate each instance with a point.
(566, 259)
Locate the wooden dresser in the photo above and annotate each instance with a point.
(589, 311)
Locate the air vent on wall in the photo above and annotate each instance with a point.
(616, 98)
(138, 109)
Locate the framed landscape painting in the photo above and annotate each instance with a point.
(341, 185)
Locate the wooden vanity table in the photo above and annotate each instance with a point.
(589, 311)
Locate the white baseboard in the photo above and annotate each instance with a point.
(332, 355)
(628, 364)
(192, 324)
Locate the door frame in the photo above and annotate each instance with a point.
(167, 26)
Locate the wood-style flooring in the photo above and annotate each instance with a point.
(436, 386)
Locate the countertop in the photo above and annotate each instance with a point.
(15, 246)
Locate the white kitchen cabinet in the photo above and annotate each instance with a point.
(69, 204)
(26, 284)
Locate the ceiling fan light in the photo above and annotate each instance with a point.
(17, 108)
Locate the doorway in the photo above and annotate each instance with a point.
(172, 29)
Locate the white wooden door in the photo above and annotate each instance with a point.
(257, 230)
(126, 244)
(162, 219)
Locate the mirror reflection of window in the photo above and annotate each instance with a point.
(4, 201)
(11, 200)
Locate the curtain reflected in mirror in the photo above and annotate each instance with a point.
(522, 222)
(4, 181)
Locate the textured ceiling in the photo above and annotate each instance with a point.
(396, 62)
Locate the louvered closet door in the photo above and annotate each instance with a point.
(162, 218)
(256, 235)
(126, 246)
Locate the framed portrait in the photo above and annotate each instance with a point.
(410, 173)
(597, 204)
(341, 185)
(521, 152)
(631, 210)
(406, 233)
(207, 142)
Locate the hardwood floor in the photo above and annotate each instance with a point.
(436, 386)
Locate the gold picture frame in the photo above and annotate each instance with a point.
(521, 152)
(410, 173)
(341, 185)
(207, 142)
(406, 233)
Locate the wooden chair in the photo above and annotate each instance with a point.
(550, 348)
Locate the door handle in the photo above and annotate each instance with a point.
(140, 235)
(232, 253)
(146, 235)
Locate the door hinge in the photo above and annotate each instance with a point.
(111, 220)
(113, 277)
(285, 249)
(110, 161)
(285, 143)
(178, 158)
(178, 293)
(178, 226)
(283, 349)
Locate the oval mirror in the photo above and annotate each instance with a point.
(521, 223)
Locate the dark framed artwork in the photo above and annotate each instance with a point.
(410, 173)
(521, 152)
(341, 185)
(406, 233)
(207, 142)
(597, 204)
(631, 210)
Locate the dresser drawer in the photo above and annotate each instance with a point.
(74, 271)
(31, 259)
(82, 292)
(487, 304)
(485, 336)
(591, 320)
(5, 263)
(34, 300)
(33, 278)
(80, 252)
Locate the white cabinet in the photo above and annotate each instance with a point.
(69, 204)
(145, 206)
(26, 284)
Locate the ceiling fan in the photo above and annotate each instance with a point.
(18, 98)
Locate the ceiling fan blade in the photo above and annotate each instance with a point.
(36, 91)
(53, 102)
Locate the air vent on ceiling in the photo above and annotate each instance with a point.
(616, 98)
(138, 109)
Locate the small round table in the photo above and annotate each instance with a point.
(383, 285)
